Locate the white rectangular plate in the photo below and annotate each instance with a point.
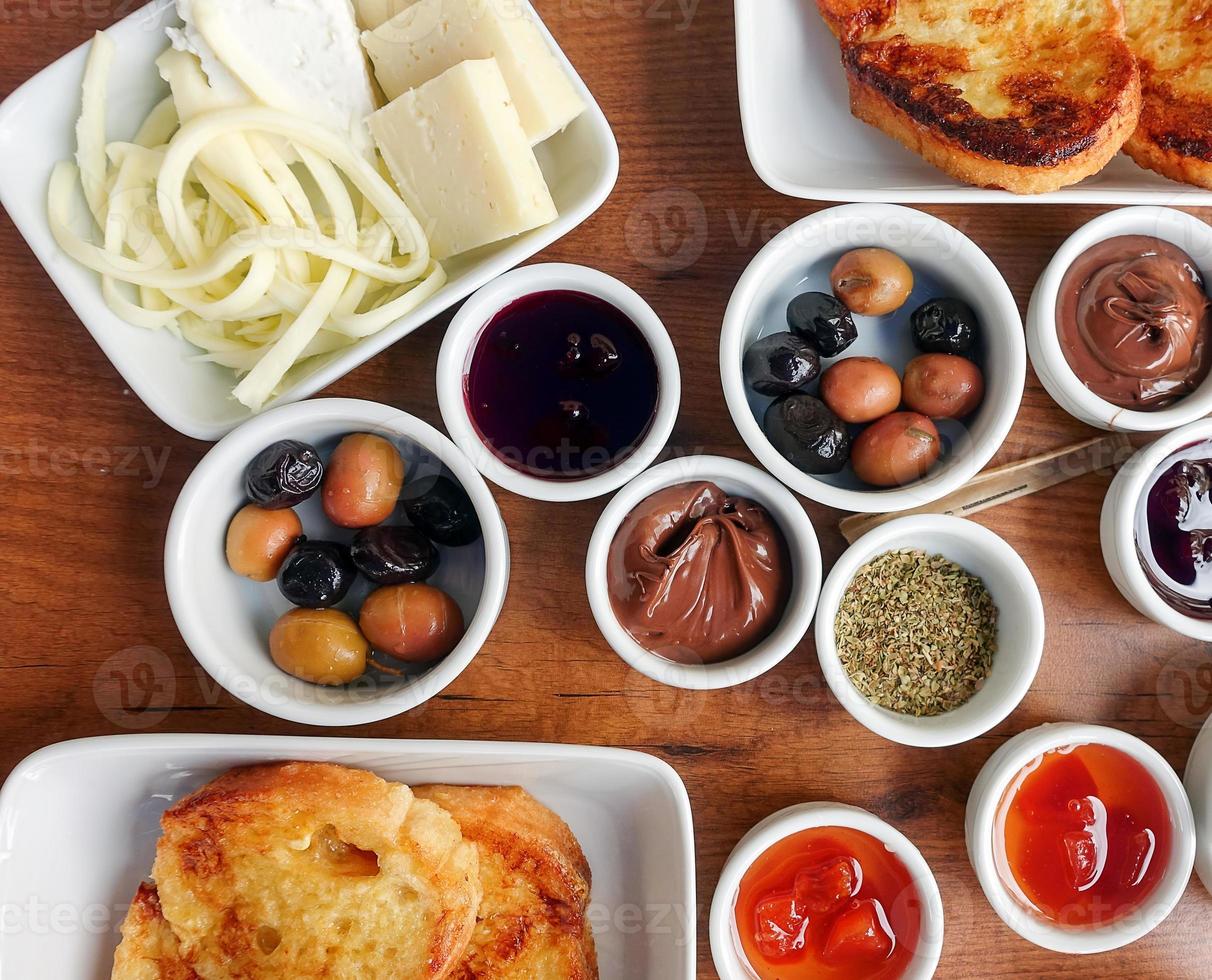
(803, 141)
(37, 129)
(79, 823)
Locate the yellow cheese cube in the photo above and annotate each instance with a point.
(431, 36)
(457, 150)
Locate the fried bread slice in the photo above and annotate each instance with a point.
(301, 869)
(1172, 40)
(536, 882)
(1025, 95)
(149, 949)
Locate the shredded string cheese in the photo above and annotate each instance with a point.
(262, 238)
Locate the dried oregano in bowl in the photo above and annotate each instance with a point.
(916, 632)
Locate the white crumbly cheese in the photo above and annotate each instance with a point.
(462, 161)
(299, 56)
(431, 36)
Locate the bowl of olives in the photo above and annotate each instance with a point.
(335, 562)
(872, 358)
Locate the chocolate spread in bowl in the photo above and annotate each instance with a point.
(1134, 320)
(697, 576)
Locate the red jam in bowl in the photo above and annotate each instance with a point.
(562, 385)
(1082, 836)
(829, 902)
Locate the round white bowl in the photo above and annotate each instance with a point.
(980, 827)
(944, 263)
(1043, 343)
(730, 961)
(458, 347)
(1197, 779)
(1117, 530)
(738, 479)
(1020, 641)
(225, 619)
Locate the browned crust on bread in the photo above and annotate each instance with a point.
(533, 922)
(973, 167)
(1045, 128)
(1047, 106)
(1174, 137)
(149, 949)
(346, 832)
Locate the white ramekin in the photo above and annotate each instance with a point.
(1117, 530)
(225, 619)
(458, 347)
(1197, 779)
(730, 961)
(932, 248)
(1043, 342)
(1020, 641)
(739, 479)
(980, 826)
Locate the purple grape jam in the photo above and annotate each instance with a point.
(562, 385)
(1174, 531)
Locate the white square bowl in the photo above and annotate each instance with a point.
(79, 823)
(803, 141)
(37, 129)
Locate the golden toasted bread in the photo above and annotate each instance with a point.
(1172, 40)
(532, 922)
(1025, 95)
(149, 948)
(300, 869)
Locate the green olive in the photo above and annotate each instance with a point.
(323, 646)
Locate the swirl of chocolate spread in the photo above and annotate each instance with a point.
(1133, 320)
(697, 576)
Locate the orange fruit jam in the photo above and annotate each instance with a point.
(1082, 835)
(831, 903)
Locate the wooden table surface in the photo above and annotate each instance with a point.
(90, 476)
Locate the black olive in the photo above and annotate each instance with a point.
(945, 326)
(442, 510)
(394, 554)
(780, 364)
(822, 321)
(316, 574)
(284, 474)
(808, 434)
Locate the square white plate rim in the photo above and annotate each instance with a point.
(414, 751)
(38, 237)
(748, 12)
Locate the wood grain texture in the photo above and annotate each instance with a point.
(90, 476)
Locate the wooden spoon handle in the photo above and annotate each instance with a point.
(1007, 482)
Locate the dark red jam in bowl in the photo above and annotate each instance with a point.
(562, 385)
(1174, 530)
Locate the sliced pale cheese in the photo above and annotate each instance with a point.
(300, 56)
(432, 36)
(462, 161)
(375, 13)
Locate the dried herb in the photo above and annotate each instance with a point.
(916, 632)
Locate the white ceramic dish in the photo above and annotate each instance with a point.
(1117, 530)
(980, 827)
(81, 820)
(1020, 636)
(1197, 779)
(944, 263)
(1043, 343)
(459, 344)
(37, 126)
(739, 479)
(803, 141)
(226, 619)
(730, 962)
